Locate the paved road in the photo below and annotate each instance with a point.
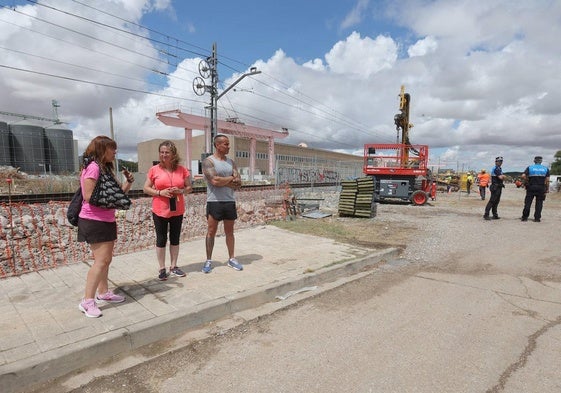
(378, 334)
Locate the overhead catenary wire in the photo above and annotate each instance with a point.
(87, 68)
(98, 83)
(333, 114)
(125, 31)
(305, 103)
(204, 54)
(112, 44)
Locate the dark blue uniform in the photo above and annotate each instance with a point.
(496, 189)
(536, 186)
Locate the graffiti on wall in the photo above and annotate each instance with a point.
(306, 175)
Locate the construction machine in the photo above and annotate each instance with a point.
(399, 170)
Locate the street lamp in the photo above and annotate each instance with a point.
(252, 71)
(215, 98)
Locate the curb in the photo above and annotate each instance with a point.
(27, 373)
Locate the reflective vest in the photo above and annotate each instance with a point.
(483, 179)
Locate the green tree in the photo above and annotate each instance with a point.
(131, 165)
(556, 165)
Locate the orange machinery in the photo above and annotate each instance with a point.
(400, 170)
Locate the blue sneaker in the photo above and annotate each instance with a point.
(207, 266)
(162, 276)
(177, 272)
(234, 264)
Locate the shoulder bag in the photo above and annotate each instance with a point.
(108, 193)
(75, 207)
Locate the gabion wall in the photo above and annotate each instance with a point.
(38, 236)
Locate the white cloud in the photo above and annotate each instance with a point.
(422, 47)
(362, 56)
(356, 15)
(483, 78)
(315, 64)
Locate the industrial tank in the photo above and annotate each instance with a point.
(5, 157)
(27, 144)
(59, 150)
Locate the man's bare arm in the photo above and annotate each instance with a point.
(210, 175)
(237, 180)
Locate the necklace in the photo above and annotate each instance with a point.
(170, 176)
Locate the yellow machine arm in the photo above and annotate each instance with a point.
(401, 121)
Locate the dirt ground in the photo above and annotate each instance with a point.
(406, 226)
(450, 231)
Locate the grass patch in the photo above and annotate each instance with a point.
(325, 227)
(362, 232)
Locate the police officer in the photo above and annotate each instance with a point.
(536, 179)
(496, 188)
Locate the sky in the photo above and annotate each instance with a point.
(483, 76)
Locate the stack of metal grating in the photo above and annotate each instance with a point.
(357, 198)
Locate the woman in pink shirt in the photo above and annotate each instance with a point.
(167, 182)
(97, 225)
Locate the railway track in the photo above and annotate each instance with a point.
(135, 194)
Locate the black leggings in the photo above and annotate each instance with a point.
(161, 227)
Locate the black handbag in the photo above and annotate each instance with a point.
(108, 193)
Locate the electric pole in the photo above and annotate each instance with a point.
(208, 69)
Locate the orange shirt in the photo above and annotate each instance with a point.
(484, 179)
(161, 179)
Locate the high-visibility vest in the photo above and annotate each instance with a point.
(484, 179)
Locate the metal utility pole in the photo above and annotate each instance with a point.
(55, 110)
(213, 96)
(208, 69)
(113, 136)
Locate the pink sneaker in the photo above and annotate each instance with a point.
(109, 297)
(88, 307)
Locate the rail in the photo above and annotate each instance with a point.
(135, 194)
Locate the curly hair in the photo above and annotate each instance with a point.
(173, 150)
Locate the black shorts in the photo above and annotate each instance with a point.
(93, 231)
(222, 210)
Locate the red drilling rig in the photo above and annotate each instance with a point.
(400, 170)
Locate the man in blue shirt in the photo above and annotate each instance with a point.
(496, 189)
(536, 179)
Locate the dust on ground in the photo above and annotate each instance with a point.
(450, 233)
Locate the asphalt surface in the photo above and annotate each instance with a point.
(45, 336)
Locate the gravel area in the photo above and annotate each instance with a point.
(450, 233)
